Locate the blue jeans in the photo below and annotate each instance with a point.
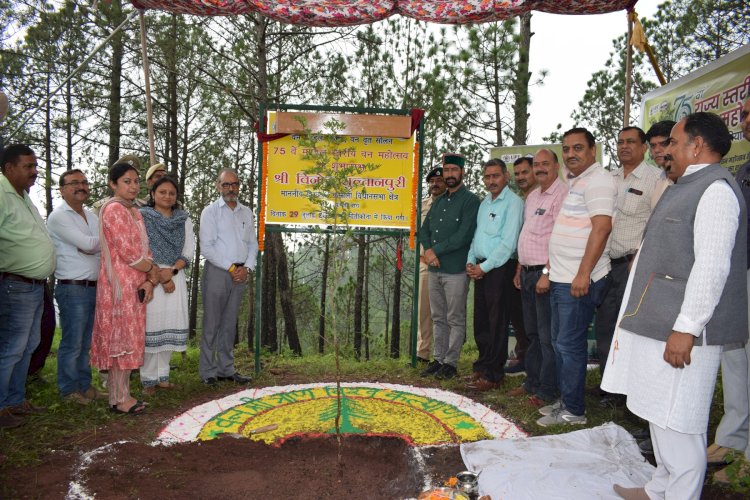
(571, 318)
(541, 367)
(21, 306)
(76, 304)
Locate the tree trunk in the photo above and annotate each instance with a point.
(395, 350)
(268, 331)
(171, 60)
(48, 147)
(521, 83)
(358, 296)
(287, 304)
(115, 86)
(366, 305)
(323, 291)
(194, 281)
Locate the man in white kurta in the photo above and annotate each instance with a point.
(671, 383)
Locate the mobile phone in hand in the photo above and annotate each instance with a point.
(141, 295)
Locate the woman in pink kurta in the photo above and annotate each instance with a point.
(126, 270)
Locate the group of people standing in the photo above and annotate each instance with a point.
(655, 253)
(120, 282)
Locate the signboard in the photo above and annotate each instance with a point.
(509, 154)
(381, 197)
(720, 87)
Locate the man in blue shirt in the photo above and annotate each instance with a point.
(499, 222)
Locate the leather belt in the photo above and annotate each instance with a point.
(85, 283)
(623, 260)
(239, 264)
(18, 277)
(533, 268)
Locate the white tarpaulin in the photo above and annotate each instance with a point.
(576, 465)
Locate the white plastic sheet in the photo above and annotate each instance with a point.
(578, 465)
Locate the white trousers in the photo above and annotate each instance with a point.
(680, 465)
(155, 368)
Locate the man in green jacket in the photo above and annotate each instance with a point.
(446, 237)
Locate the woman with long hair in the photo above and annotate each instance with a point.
(172, 242)
(127, 278)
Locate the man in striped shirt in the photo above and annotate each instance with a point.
(579, 270)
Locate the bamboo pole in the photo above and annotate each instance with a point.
(628, 73)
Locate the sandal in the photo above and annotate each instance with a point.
(138, 407)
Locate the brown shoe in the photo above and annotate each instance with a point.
(518, 391)
(483, 385)
(94, 394)
(26, 408)
(78, 397)
(717, 454)
(473, 377)
(8, 420)
(631, 493)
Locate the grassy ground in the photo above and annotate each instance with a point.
(65, 420)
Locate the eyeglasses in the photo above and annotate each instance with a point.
(227, 185)
(76, 183)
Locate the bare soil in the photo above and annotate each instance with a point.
(126, 466)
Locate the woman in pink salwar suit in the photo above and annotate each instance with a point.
(126, 270)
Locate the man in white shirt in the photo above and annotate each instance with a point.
(74, 230)
(685, 302)
(229, 245)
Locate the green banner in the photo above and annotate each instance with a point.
(720, 87)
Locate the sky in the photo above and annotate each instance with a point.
(571, 49)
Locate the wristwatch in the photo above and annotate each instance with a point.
(175, 271)
(545, 271)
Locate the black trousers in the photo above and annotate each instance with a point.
(491, 322)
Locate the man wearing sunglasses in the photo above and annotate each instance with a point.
(229, 245)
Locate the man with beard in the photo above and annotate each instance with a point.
(229, 245)
(446, 236)
(489, 265)
(686, 302)
(74, 229)
(424, 333)
(635, 181)
(27, 258)
(732, 432)
(578, 271)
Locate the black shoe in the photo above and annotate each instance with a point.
(446, 372)
(422, 361)
(236, 378)
(209, 381)
(515, 367)
(431, 369)
(646, 447)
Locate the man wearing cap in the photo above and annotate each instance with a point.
(74, 230)
(490, 266)
(154, 173)
(229, 245)
(27, 258)
(424, 334)
(446, 236)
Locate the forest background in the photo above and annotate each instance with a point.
(211, 76)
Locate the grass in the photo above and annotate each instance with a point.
(68, 426)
